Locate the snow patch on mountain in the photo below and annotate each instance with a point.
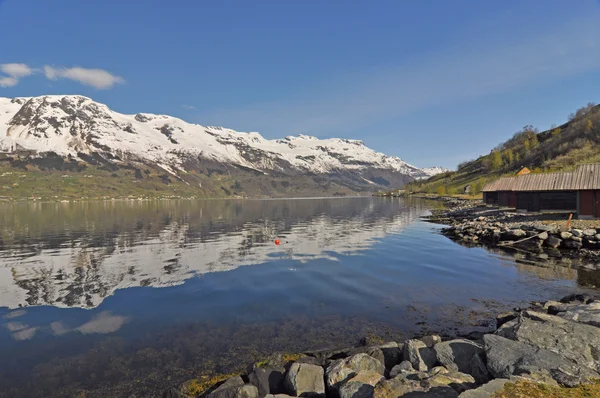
(72, 124)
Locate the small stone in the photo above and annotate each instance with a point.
(543, 235)
(589, 232)
(577, 233)
(597, 237)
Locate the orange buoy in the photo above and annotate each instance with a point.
(277, 241)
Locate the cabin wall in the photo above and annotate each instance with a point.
(589, 204)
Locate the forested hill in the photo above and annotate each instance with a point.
(561, 148)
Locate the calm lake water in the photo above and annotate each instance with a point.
(129, 298)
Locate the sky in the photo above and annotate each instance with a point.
(434, 82)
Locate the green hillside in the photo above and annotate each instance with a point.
(561, 148)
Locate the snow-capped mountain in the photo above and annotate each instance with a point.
(75, 125)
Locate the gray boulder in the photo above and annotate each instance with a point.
(389, 354)
(304, 379)
(403, 367)
(268, 381)
(582, 313)
(597, 236)
(543, 235)
(572, 244)
(419, 355)
(577, 233)
(566, 235)
(553, 242)
(514, 234)
(589, 232)
(397, 387)
(245, 391)
(485, 391)
(574, 341)
(360, 386)
(479, 370)
(457, 354)
(507, 357)
(431, 340)
(343, 370)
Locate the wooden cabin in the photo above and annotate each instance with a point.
(576, 192)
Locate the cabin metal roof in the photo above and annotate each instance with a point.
(585, 177)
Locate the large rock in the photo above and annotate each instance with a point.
(304, 379)
(229, 384)
(577, 342)
(389, 354)
(582, 313)
(456, 380)
(419, 355)
(566, 235)
(457, 354)
(572, 244)
(402, 367)
(507, 357)
(514, 234)
(360, 386)
(397, 387)
(553, 242)
(577, 233)
(245, 391)
(479, 369)
(486, 390)
(343, 370)
(431, 340)
(268, 381)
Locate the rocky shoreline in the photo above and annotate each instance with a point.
(544, 235)
(553, 344)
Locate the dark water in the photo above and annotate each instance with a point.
(128, 298)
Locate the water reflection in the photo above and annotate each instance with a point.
(77, 254)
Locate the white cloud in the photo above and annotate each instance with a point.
(97, 78)
(8, 81)
(16, 70)
(188, 107)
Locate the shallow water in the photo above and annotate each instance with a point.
(122, 298)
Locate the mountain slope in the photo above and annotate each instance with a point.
(80, 129)
(561, 148)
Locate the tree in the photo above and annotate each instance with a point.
(509, 157)
(588, 125)
(495, 160)
(441, 190)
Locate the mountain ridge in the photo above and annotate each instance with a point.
(71, 125)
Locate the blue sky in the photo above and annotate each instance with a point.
(434, 82)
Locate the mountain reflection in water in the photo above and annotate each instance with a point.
(77, 254)
(104, 299)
